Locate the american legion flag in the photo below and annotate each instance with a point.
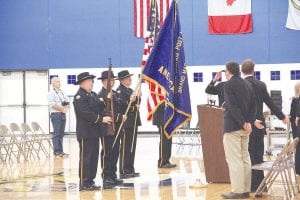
(142, 13)
(156, 96)
(166, 67)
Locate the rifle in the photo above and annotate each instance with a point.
(138, 87)
(109, 109)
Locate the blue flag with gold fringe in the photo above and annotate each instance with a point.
(166, 67)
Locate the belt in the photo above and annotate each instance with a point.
(57, 113)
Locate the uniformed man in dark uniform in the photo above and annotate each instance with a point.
(88, 111)
(128, 140)
(165, 144)
(110, 153)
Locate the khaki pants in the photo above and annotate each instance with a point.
(238, 160)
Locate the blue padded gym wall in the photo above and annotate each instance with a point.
(43, 34)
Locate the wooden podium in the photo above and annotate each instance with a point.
(211, 131)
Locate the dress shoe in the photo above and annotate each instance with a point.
(125, 176)
(247, 194)
(258, 196)
(118, 181)
(253, 190)
(167, 165)
(86, 188)
(233, 195)
(129, 175)
(136, 174)
(108, 183)
(96, 187)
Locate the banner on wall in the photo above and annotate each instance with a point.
(293, 19)
(229, 16)
(142, 13)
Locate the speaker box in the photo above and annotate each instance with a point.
(277, 98)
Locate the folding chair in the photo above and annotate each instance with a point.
(39, 131)
(283, 165)
(28, 147)
(10, 145)
(34, 137)
(5, 145)
(188, 136)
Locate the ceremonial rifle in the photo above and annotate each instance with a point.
(109, 109)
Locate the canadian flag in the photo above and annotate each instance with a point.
(229, 16)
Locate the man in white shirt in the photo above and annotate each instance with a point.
(58, 106)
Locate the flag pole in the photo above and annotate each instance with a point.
(135, 121)
(127, 110)
(138, 86)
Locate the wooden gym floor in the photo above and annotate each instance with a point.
(57, 178)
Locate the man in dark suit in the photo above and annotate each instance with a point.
(256, 141)
(217, 89)
(128, 140)
(240, 111)
(295, 125)
(110, 152)
(88, 111)
(165, 144)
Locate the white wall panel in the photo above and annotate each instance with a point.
(11, 114)
(11, 88)
(11, 97)
(36, 87)
(36, 98)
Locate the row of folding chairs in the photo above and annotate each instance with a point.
(282, 169)
(23, 142)
(187, 135)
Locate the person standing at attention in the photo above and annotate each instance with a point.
(295, 124)
(256, 140)
(239, 114)
(165, 144)
(129, 137)
(58, 106)
(89, 119)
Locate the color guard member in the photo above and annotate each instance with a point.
(128, 140)
(165, 144)
(110, 153)
(88, 111)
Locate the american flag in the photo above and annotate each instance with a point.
(142, 13)
(156, 94)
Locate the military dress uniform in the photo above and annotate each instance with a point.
(128, 140)
(88, 111)
(110, 154)
(165, 144)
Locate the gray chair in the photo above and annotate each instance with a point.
(39, 131)
(38, 141)
(11, 147)
(284, 166)
(28, 147)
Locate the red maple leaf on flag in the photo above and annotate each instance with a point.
(230, 2)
